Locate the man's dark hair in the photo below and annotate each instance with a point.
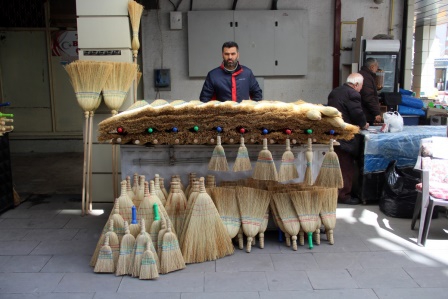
(370, 61)
(229, 45)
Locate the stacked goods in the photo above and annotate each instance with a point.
(163, 117)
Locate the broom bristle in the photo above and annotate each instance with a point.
(253, 204)
(191, 179)
(288, 216)
(114, 242)
(330, 174)
(148, 268)
(265, 166)
(205, 237)
(159, 191)
(139, 248)
(135, 10)
(191, 199)
(328, 212)
(118, 83)
(131, 194)
(105, 262)
(126, 247)
(288, 168)
(242, 161)
(308, 180)
(176, 206)
(155, 226)
(218, 162)
(227, 206)
(125, 203)
(171, 259)
(118, 221)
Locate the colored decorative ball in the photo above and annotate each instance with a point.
(309, 131)
(175, 130)
(150, 130)
(219, 129)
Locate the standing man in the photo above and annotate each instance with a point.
(369, 94)
(231, 81)
(347, 100)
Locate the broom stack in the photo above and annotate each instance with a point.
(218, 162)
(288, 169)
(330, 174)
(88, 79)
(265, 166)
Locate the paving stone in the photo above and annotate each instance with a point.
(331, 279)
(29, 282)
(26, 264)
(235, 281)
(383, 278)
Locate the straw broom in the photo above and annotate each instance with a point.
(308, 180)
(162, 186)
(263, 227)
(134, 228)
(288, 216)
(242, 161)
(190, 203)
(265, 166)
(135, 184)
(191, 179)
(135, 13)
(105, 262)
(139, 248)
(125, 203)
(118, 221)
(146, 209)
(330, 174)
(176, 206)
(141, 190)
(307, 210)
(205, 237)
(148, 268)
(162, 231)
(227, 206)
(156, 226)
(252, 204)
(279, 223)
(288, 169)
(328, 212)
(218, 162)
(158, 191)
(209, 184)
(126, 247)
(171, 258)
(176, 176)
(114, 242)
(131, 194)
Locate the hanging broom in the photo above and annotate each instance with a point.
(328, 212)
(307, 210)
(330, 174)
(148, 268)
(265, 166)
(252, 204)
(288, 169)
(176, 206)
(105, 262)
(308, 180)
(205, 237)
(242, 161)
(227, 206)
(171, 258)
(126, 247)
(218, 162)
(288, 216)
(135, 13)
(158, 191)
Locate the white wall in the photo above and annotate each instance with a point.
(165, 48)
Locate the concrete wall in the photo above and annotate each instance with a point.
(165, 48)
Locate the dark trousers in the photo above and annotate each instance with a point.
(346, 162)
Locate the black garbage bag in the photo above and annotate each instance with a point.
(399, 194)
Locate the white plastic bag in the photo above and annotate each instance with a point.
(394, 120)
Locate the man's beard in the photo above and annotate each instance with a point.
(230, 64)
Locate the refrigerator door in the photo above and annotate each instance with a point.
(388, 62)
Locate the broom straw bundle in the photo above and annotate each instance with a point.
(141, 190)
(279, 223)
(125, 203)
(288, 169)
(308, 180)
(190, 203)
(155, 226)
(105, 262)
(288, 216)
(171, 258)
(218, 162)
(227, 206)
(265, 166)
(176, 206)
(162, 187)
(328, 212)
(114, 242)
(135, 184)
(157, 189)
(148, 268)
(126, 247)
(252, 204)
(140, 246)
(118, 221)
(330, 174)
(242, 161)
(191, 179)
(131, 194)
(205, 237)
(307, 210)
(146, 209)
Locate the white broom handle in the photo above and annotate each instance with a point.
(84, 169)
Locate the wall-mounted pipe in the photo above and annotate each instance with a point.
(336, 42)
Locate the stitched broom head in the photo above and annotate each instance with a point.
(105, 262)
(242, 161)
(171, 259)
(125, 203)
(227, 206)
(265, 166)
(176, 206)
(126, 247)
(288, 168)
(288, 215)
(148, 268)
(329, 200)
(114, 242)
(218, 162)
(308, 180)
(118, 221)
(330, 174)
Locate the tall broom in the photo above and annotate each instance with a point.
(118, 220)
(288, 169)
(288, 216)
(162, 186)
(159, 191)
(227, 206)
(125, 203)
(88, 79)
(328, 212)
(218, 162)
(176, 206)
(171, 258)
(242, 161)
(252, 204)
(148, 268)
(308, 180)
(307, 210)
(191, 179)
(126, 247)
(156, 226)
(131, 194)
(265, 166)
(114, 242)
(330, 174)
(105, 262)
(135, 13)
(205, 237)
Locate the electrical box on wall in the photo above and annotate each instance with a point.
(162, 80)
(175, 20)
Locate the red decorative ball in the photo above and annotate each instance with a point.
(120, 130)
(242, 130)
(288, 131)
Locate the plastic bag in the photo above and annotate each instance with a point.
(394, 120)
(399, 194)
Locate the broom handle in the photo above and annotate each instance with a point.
(310, 240)
(114, 170)
(89, 166)
(84, 169)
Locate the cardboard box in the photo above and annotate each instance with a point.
(435, 111)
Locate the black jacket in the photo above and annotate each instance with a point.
(348, 102)
(369, 95)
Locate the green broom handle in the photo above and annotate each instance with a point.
(6, 115)
(156, 212)
(310, 239)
